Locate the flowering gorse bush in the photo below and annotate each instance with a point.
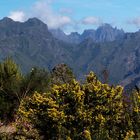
(81, 111)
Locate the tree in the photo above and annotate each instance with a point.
(135, 112)
(36, 80)
(10, 80)
(61, 74)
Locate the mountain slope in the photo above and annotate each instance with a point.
(121, 57)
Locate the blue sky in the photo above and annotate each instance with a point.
(75, 15)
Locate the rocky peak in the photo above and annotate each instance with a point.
(90, 33)
(74, 34)
(35, 22)
(32, 27)
(107, 33)
(75, 37)
(35, 26)
(6, 20)
(59, 34)
(8, 27)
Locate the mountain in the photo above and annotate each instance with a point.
(89, 33)
(121, 58)
(31, 44)
(108, 49)
(74, 37)
(59, 34)
(104, 33)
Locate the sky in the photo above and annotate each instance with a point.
(75, 15)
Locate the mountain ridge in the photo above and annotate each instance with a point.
(104, 33)
(31, 43)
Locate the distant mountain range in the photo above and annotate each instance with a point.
(104, 33)
(32, 44)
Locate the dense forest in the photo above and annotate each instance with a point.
(43, 105)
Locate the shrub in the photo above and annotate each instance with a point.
(74, 111)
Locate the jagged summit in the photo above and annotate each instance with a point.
(74, 33)
(104, 33)
(107, 33)
(88, 31)
(106, 25)
(35, 21)
(31, 22)
(9, 27)
(6, 19)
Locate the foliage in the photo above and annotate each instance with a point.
(14, 86)
(61, 74)
(74, 111)
(10, 80)
(36, 80)
(106, 105)
(135, 113)
(61, 108)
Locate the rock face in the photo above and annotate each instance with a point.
(32, 44)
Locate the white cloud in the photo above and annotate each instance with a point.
(17, 16)
(135, 21)
(91, 20)
(44, 11)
